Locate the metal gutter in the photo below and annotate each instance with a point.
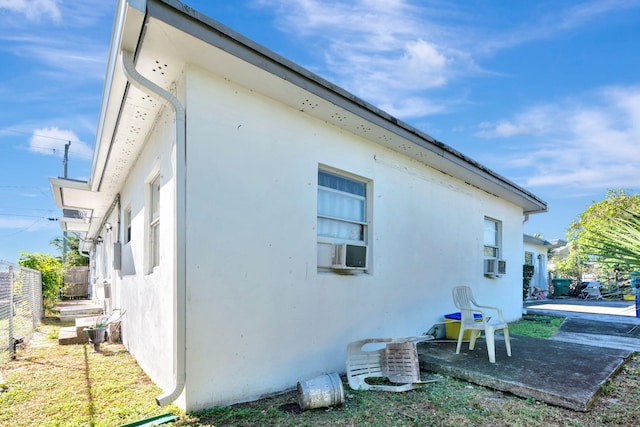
(179, 314)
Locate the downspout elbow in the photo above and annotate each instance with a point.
(147, 86)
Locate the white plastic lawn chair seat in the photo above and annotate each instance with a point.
(464, 301)
(397, 361)
(592, 291)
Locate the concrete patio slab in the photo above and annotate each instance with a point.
(556, 372)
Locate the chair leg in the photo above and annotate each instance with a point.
(472, 339)
(491, 344)
(507, 340)
(459, 341)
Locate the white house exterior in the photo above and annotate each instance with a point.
(535, 253)
(224, 180)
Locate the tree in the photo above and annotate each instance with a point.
(73, 257)
(569, 266)
(619, 243)
(51, 270)
(594, 234)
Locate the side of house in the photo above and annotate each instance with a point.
(287, 217)
(536, 254)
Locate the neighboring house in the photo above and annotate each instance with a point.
(535, 253)
(250, 219)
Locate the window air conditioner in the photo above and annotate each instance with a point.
(349, 257)
(495, 267)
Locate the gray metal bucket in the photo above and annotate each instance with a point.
(319, 392)
(96, 336)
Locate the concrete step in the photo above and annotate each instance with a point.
(85, 322)
(68, 335)
(75, 334)
(68, 314)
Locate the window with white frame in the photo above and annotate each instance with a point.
(342, 208)
(154, 223)
(492, 238)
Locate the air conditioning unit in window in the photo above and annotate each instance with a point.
(495, 267)
(349, 257)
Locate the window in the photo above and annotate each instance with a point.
(528, 258)
(127, 225)
(492, 237)
(341, 208)
(154, 223)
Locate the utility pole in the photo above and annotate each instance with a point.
(65, 162)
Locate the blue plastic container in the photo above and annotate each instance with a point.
(635, 284)
(458, 316)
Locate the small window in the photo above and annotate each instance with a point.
(127, 225)
(154, 223)
(492, 237)
(341, 208)
(528, 258)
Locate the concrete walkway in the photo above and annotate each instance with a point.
(603, 323)
(582, 308)
(568, 370)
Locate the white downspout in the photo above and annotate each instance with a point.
(179, 337)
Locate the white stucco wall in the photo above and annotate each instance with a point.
(539, 252)
(145, 297)
(260, 316)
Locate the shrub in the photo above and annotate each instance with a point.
(52, 275)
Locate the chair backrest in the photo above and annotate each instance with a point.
(397, 361)
(593, 291)
(463, 300)
(400, 363)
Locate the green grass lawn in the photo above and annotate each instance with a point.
(536, 326)
(52, 385)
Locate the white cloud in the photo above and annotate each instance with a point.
(504, 128)
(535, 121)
(547, 23)
(34, 10)
(584, 13)
(51, 141)
(384, 51)
(74, 48)
(412, 107)
(69, 59)
(593, 142)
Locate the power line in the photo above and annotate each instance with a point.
(29, 216)
(22, 230)
(26, 209)
(40, 135)
(31, 212)
(23, 186)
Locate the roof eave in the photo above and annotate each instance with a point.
(451, 161)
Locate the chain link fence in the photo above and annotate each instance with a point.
(20, 306)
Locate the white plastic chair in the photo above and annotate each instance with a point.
(464, 301)
(592, 291)
(397, 361)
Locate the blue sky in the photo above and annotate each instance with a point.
(546, 93)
